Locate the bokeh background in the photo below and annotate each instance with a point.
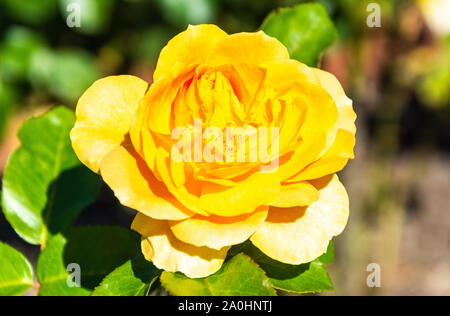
(398, 76)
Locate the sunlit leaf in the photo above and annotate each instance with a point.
(44, 184)
(239, 276)
(305, 29)
(16, 273)
(133, 278)
(328, 257)
(303, 278)
(96, 250)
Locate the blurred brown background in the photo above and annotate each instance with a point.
(398, 76)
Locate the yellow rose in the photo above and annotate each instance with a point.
(191, 212)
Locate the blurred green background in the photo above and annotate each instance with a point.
(398, 76)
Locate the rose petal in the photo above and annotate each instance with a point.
(217, 232)
(189, 47)
(189, 198)
(135, 186)
(332, 161)
(160, 246)
(281, 71)
(307, 152)
(247, 48)
(296, 194)
(347, 116)
(157, 113)
(104, 115)
(258, 189)
(321, 112)
(301, 234)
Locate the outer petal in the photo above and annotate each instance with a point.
(167, 252)
(135, 186)
(290, 70)
(296, 194)
(247, 48)
(141, 137)
(321, 115)
(347, 116)
(189, 47)
(104, 115)
(332, 161)
(299, 235)
(306, 153)
(217, 232)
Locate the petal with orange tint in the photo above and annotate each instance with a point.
(321, 114)
(334, 159)
(247, 48)
(296, 194)
(257, 190)
(347, 116)
(306, 153)
(294, 115)
(160, 246)
(230, 171)
(104, 115)
(247, 80)
(157, 114)
(135, 186)
(179, 172)
(189, 47)
(217, 232)
(301, 234)
(189, 198)
(141, 138)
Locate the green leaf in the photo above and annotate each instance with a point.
(97, 251)
(16, 273)
(16, 50)
(328, 257)
(134, 278)
(306, 30)
(304, 278)
(239, 276)
(184, 12)
(44, 185)
(49, 69)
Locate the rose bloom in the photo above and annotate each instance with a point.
(190, 213)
